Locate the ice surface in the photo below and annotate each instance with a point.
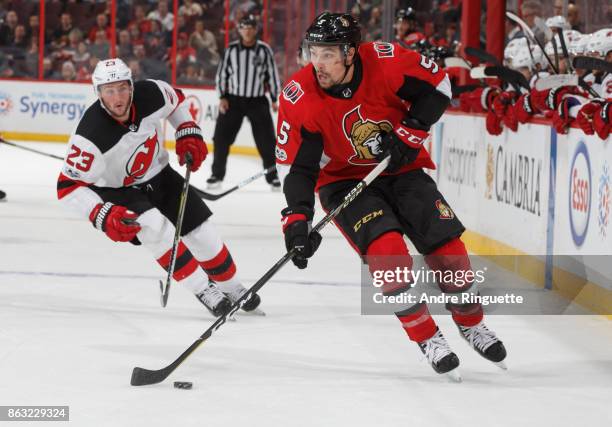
(78, 312)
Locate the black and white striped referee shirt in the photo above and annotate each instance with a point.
(248, 71)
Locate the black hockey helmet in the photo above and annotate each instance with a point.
(334, 29)
(407, 14)
(249, 20)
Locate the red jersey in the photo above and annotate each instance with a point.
(325, 136)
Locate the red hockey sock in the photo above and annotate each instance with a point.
(221, 268)
(185, 264)
(386, 253)
(452, 256)
(417, 322)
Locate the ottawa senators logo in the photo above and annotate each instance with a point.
(365, 135)
(445, 211)
(140, 161)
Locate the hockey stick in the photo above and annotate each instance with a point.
(590, 63)
(556, 80)
(141, 376)
(12, 144)
(529, 34)
(457, 62)
(165, 290)
(208, 196)
(513, 77)
(482, 55)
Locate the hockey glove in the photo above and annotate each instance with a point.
(117, 222)
(601, 121)
(493, 122)
(189, 140)
(403, 144)
(561, 117)
(524, 108)
(586, 115)
(296, 227)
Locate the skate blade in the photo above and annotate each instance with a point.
(275, 189)
(501, 365)
(256, 312)
(454, 375)
(213, 186)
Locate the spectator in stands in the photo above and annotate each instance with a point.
(135, 34)
(81, 57)
(60, 35)
(573, 16)
(374, 25)
(163, 15)
(124, 47)
(33, 27)
(136, 70)
(205, 44)
(184, 52)
(191, 75)
(48, 72)
(190, 8)
(101, 24)
(7, 29)
(68, 71)
(152, 68)
(100, 48)
(140, 21)
(74, 38)
(531, 10)
(20, 38)
(31, 58)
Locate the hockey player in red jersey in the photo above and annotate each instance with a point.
(116, 174)
(352, 106)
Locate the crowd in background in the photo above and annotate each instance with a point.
(77, 35)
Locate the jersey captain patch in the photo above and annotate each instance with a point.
(365, 136)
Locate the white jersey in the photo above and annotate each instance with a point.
(605, 89)
(103, 152)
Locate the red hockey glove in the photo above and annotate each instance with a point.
(493, 122)
(117, 222)
(479, 100)
(189, 140)
(556, 95)
(538, 99)
(510, 120)
(298, 236)
(524, 109)
(502, 102)
(403, 144)
(586, 115)
(601, 121)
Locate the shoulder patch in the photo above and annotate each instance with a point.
(293, 92)
(384, 50)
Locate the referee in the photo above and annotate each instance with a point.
(247, 71)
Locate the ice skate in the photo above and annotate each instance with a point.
(214, 300)
(235, 291)
(439, 354)
(485, 342)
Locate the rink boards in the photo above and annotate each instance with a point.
(540, 197)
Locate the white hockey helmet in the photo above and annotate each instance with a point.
(513, 48)
(600, 43)
(569, 36)
(110, 71)
(558, 22)
(578, 45)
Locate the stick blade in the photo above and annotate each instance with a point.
(141, 376)
(556, 80)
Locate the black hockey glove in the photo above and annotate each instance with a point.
(403, 144)
(296, 227)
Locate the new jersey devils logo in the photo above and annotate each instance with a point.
(365, 135)
(140, 161)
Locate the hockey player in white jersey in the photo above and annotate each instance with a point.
(116, 174)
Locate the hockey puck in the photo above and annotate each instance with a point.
(185, 385)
